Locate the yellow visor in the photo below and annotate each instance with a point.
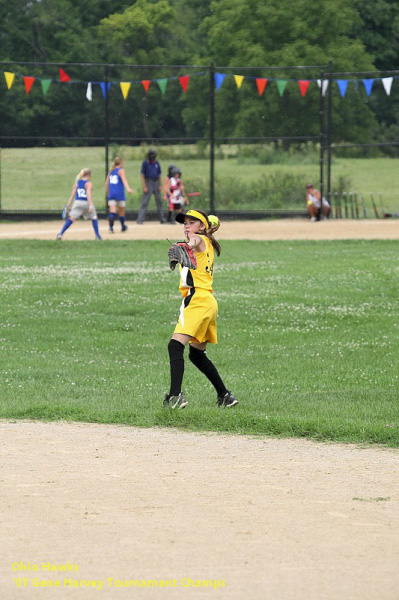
(194, 214)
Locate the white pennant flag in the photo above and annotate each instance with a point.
(89, 92)
(323, 83)
(387, 83)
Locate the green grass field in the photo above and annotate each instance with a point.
(42, 178)
(308, 337)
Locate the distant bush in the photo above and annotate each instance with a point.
(278, 190)
(271, 154)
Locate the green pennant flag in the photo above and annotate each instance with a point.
(45, 85)
(162, 84)
(281, 85)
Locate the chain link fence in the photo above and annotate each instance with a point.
(230, 135)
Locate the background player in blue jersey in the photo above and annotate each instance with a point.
(115, 184)
(82, 203)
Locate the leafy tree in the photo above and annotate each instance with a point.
(379, 31)
(280, 32)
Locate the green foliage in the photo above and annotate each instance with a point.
(309, 347)
(140, 34)
(355, 35)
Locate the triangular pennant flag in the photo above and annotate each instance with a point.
(342, 84)
(9, 79)
(239, 79)
(89, 92)
(281, 85)
(184, 82)
(105, 88)
(368, 85)
(146, 84)
(387, 83)
(219, 78)
(303, 86)
(125, 87)
(261, 84)
(64, 77)
(28, 81)
(323, 83)
(45, 85)
(162, 84)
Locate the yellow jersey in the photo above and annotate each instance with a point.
(202, 276)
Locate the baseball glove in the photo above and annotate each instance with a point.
(184, 255)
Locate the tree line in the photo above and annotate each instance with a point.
(357, 35)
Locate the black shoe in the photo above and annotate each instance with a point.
(124, 228)
(175, 401)
(178, 401)
(227, 401)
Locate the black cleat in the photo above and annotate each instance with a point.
(174, 401)
(227, 401)
(178, 401)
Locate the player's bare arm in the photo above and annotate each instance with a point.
(196, 243)
(124, 180)
(88, 187)
(72, 196)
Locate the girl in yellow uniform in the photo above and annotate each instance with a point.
(198, 312)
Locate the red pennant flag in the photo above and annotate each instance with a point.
(184, 81)
(303, 86)
(261, 84)
(64, 76)
(28, 81)
(146, 84)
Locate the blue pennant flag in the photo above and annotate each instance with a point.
(219, 78)
(368, 85)
(104, 89)
(342, 84)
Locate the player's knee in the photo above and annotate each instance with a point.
(176, 350)
(197, 357)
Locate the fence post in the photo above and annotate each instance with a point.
(329, 123)
(106, 129)
(0, 180)
(322, 141)
(212, 137)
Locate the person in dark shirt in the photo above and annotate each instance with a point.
(151, 179)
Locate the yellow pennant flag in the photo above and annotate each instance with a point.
(125, 87)
(9, 79)
(239, 79)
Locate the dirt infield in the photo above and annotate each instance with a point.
(282, 229)
(121, 513)
(251, 518)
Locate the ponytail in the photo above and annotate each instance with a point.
(210, 237)
(115, 163)
(83, 173)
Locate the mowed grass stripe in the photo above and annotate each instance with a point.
(308, 337)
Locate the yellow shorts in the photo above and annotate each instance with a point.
(197, 317)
